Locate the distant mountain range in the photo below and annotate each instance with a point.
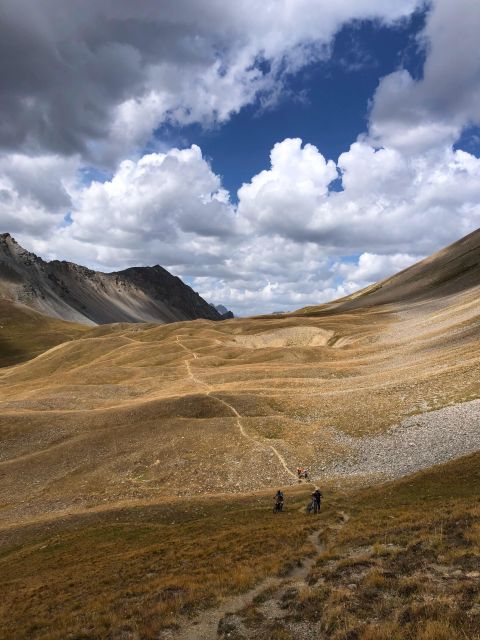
(223, 311)
(71, 292)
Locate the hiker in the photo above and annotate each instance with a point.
(305, 474)
(316, 498)
(278, 501)
(299, 472)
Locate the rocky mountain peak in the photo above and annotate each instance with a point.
(73, 292)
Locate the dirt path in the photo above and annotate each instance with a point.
(189, 351)
(223, 619)
(214, 622)
(238, 417)
(226, 619)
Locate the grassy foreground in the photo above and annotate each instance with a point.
(131, 572)
(405, 566)
(402, 564)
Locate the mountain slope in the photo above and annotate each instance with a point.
(72, 292)
(451, 270)
(25, 333)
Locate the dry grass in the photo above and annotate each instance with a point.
(406, 564)
(68, 418)
(132, 572)
(128, 414)
(24, 333)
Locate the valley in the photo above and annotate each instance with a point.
(239, 320)
(126, 434)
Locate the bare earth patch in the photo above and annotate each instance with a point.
(287, 337)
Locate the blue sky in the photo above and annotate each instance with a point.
(325, 104)
(273, 155)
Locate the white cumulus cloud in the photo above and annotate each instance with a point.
(415, 115)
(292, 239)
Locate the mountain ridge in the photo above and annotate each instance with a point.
(450, 269)
(69, 291)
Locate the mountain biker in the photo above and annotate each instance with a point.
(317, 498)
(302, 473)
(279, 500)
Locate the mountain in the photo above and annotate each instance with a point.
(223, 311)
(449, 271)
(71, 292)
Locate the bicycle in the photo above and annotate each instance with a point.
(278, 507)
(314, 506)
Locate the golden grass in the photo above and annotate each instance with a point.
(128, 414)
(401, 564)
(68, 418)
(406, 564)
(135, 571)
(24, 333)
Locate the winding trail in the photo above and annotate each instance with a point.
(209, 392)
(252, 439)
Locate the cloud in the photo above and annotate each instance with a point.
(168, 208)
(35, 192)
(291, 240)
(415, 115)
(372, 267)
(389, 203)
(393, 210)
(283, 199)
(97, 78)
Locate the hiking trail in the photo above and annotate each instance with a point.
(238, 417)
(221, 621)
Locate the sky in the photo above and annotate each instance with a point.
(273, 155)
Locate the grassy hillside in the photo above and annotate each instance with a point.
(403, 564)
(129, 412)
(133, 571)
(24, 333)
(399, 562)
(451, 270)
(138, 463)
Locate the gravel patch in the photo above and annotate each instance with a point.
(418, 442)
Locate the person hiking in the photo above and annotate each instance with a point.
(278, 506)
